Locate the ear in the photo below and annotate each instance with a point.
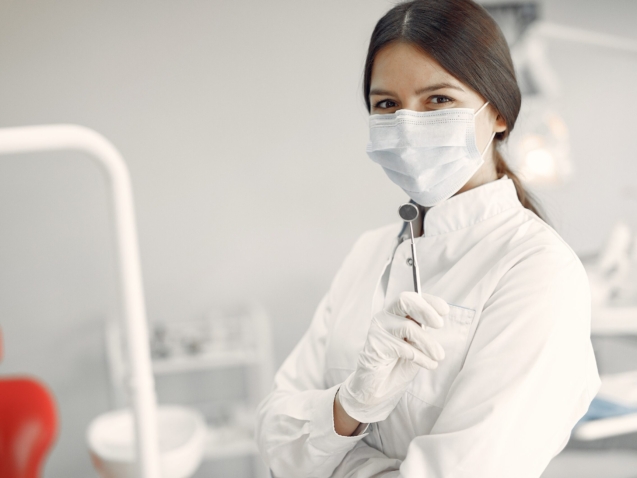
(500, 124)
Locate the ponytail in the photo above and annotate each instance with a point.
(527, 200)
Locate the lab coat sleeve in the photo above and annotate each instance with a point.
(528, 377)
(295, 424)
(366, 461)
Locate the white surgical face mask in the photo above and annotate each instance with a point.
(430, 154)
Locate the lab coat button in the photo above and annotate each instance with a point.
(410, 261)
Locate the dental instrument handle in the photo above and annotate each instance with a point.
(415, 269)
(414, 261)
(414, 266)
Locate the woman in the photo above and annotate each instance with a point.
(502, 368)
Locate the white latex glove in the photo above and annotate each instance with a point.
(395, 350)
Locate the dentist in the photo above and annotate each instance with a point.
(486, 372)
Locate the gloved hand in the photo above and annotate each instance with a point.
(395, 350)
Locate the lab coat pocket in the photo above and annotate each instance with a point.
(432, 386)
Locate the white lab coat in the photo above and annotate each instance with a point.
(518, 372)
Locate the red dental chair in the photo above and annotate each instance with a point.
(28, 426)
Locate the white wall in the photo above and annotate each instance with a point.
(244, 129)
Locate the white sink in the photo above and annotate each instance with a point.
(182, 436)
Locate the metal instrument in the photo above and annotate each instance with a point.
(409, 213)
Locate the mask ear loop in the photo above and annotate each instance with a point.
(480, 109)
(492, 136)
(488, 144)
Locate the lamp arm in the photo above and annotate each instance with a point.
(581, 35)
(31, 139)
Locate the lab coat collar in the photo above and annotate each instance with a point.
(471, 207)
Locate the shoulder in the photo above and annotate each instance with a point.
(372, 245)
(545, 268)
(370, 250)
(381, 237)
(546, 248)
(542, 292)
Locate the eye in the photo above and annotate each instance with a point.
(439, 99)
(385, 104)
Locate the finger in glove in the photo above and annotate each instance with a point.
(410, 332)
(418, 308)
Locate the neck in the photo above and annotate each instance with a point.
(419, 230)
(485, 174)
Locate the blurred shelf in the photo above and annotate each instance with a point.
(614, 321)
(236, 341)
(203, 361)
(229, 442)
(592, 464)
(620, 388)
(606, 427)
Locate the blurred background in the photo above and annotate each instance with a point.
(244, 129)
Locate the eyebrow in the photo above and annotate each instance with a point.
(427, 89)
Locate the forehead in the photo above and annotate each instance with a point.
(404, 65)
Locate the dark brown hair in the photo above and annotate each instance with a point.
(467, 42)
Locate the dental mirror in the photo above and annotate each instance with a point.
(409, 213)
